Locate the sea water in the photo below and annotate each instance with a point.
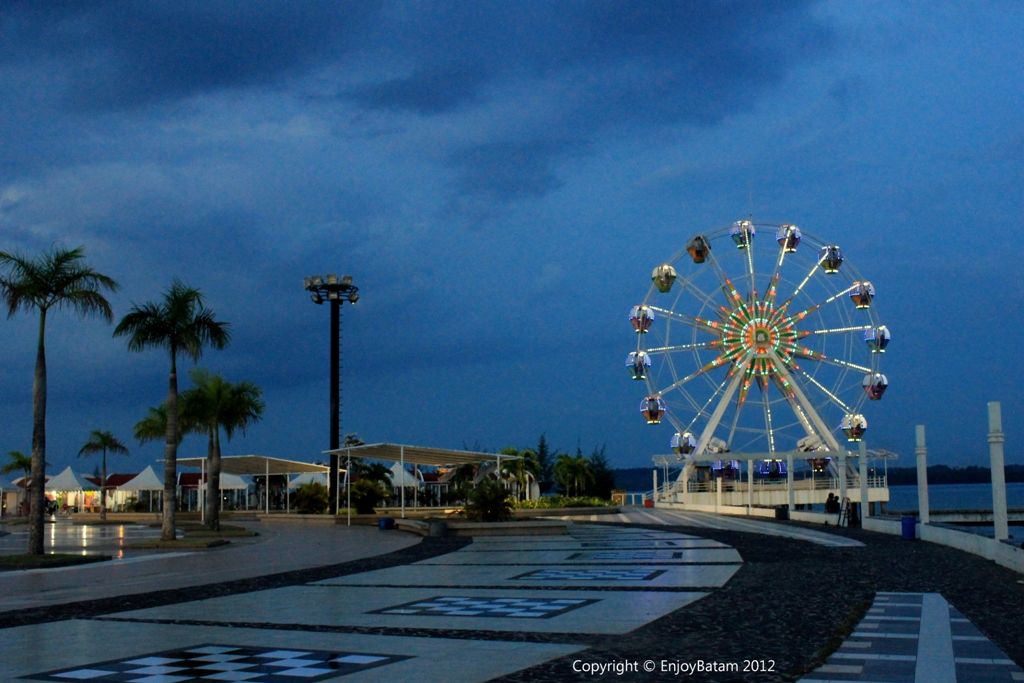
(953, 497)
(959, 497)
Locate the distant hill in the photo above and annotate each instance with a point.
(639, 478)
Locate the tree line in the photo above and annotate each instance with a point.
(572, 474)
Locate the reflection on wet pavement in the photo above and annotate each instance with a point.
(84, 539)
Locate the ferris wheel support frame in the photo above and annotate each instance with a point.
(723, 403)
(824, 433)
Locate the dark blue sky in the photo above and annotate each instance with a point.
(499, 178)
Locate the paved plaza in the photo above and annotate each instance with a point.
(657, 595)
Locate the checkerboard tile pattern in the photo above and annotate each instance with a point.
(224, 663)
(637, 555)
(583, 574)
(453, 606)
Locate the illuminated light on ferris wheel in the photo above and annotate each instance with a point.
(741, 360)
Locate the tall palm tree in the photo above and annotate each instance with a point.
(212, 404)
(101, 442)
(180, 323)
(58, 278)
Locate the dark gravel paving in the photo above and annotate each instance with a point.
(793, 602)
(789, 606)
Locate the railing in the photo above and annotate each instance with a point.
(815, 484)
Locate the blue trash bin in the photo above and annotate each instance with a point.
(909, 527)
(386, 523)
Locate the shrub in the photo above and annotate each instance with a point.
(311, 499)
(366, 495)
(489, 502)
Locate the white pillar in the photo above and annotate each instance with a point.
(654, 491)
(790, 493)
(863, 448)
(995, 452)
(750, 486)
(266, 487)
(922, 476)
(842, 475)
(718, 493)
(401, 456)
(348, 488)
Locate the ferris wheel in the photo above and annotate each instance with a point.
(758, 337)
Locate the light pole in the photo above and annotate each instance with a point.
(330, 288)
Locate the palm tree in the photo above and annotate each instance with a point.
(526, 463)
(180, 323)
(101, 442)
(573, 472)
(18, 462)
(214, 403)
(153, 427)
(58, 278)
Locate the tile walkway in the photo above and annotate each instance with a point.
(709, 520)
(916, 638)
(475, 606)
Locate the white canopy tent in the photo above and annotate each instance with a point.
(66, 481)
(146, 480)
(402, 477)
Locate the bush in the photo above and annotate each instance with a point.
(311, 499)
(366, 495)
(489, 502)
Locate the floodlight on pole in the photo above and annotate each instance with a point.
(330, 288)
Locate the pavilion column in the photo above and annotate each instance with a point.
(401, 485)
(654, 481)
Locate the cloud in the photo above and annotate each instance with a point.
(434, 90)
(117, 55)
(510, 170)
